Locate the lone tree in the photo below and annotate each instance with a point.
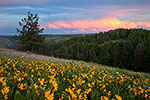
(29, 38)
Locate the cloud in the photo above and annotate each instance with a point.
(2, 26)
(102, 24)
(23, 2)
(99, 2)
(127, 12)
(144, 24)
(75, 3)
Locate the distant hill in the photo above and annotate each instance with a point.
(8, 42)
(49, 39)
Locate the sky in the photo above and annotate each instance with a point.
(75, 16)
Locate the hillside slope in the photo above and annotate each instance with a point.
(29, 76)
(49, 39)
(5, 42)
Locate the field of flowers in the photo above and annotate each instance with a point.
(44, 80)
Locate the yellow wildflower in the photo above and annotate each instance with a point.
(35, 86)
(118, 97)
(5, 97)
(104, 98)
(5, 90)
(146, 95)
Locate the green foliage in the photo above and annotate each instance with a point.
(126, 48)
(29, 38)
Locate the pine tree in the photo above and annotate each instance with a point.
(29, 38)
(138, 58)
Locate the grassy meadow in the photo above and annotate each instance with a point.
(27, 76)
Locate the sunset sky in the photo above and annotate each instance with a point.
(76, 16)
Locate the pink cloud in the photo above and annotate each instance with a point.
(102, 24)
(120, 12)
(43, 26)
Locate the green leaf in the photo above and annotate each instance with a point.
(18, 96)
(28, 95)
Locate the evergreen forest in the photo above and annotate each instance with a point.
(124, 48)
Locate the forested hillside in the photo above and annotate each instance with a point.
(49, 39)
(125, 48)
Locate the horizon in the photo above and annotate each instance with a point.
(75, 17)
(71, 33)
(51, 34)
